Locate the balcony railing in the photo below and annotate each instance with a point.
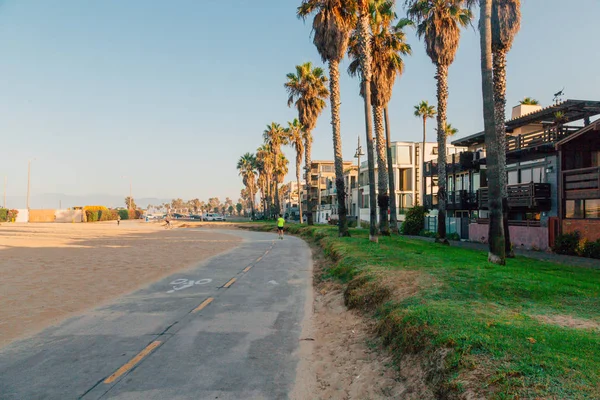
(549, 136)
(582, 183)
(527, 223)
(530, 196)
(462, 200)
(431, 201)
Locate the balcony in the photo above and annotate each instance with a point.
(431, 201)
(462, 200)
(524, 196)
(536, 140)
(464, 161)
(582, 183)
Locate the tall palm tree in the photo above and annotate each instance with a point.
(332, 24)
(493, 138)
(528, 101)
(506, 22)
(275, 136)
(296, 139)
(387, 46)
(265, 161)
(247, 169)
(281, 170)
(439, 23)
(425, 111)
(364, 45)
(307, 91)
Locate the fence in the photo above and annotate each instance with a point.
(41, 216)
(459, 226)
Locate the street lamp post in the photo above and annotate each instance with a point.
(359, 152)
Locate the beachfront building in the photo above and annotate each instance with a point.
(407, 162)
(540, 190)
(322, 189)
(291, 200)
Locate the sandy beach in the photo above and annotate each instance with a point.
(50, 272)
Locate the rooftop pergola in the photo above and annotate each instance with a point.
(573, 110)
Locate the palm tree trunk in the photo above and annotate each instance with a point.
(423, 180)
(391, 179)
(277, 203)
(499, 114)
(251, 200)
(334, 89)
(365, 62)
(496, 229)
(298, 166)
(382, 175)
(307, 166)
(442, 95)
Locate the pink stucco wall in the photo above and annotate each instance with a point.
(520, 236)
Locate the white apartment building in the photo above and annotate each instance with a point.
(407, 165)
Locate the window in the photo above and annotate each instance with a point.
(434, 150)
(573, 209)
(327, 168)
(513, 177)
(538, 175)
(404, 156)
(592, 208)
(589, 209)
(526, 176)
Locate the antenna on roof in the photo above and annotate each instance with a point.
(558, 95)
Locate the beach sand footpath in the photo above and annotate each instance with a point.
(49, 272)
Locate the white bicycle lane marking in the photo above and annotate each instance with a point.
(184, 283)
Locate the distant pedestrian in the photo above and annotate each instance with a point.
(280, 225)
(118, 220)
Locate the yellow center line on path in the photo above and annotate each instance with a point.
(203, 304)
(247, 268)
(231, 281)
(132, 363)
(259, 258)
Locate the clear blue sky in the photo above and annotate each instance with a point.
(172, 93)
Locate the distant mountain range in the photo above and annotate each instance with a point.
(56, 200)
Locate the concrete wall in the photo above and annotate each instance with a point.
(521, 236)
(589, 228)
(41, 216)
(23, 215)
(68, 216)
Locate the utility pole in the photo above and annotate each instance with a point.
(28, 182)
(4, 204)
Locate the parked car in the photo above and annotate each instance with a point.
(213, 217)
(196, 217)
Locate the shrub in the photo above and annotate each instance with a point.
(12, 215)
(107, 215)
(3, 214)
(567, 243)
(453, 236)
(134, 214)
(591, 249)
(414, 222)
(91, 216)
(95, 208)
(124, 214)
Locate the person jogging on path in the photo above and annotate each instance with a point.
(280, 224)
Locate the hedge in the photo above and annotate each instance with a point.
(7, 215)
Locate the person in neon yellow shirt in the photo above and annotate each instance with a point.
(280, 224)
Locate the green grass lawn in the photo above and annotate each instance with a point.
(484, 313)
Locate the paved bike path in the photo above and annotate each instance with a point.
(226, 329)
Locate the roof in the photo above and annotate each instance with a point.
(470, 140)
(574, 110)
(594, 126)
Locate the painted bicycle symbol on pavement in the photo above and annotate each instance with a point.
(183, 283)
